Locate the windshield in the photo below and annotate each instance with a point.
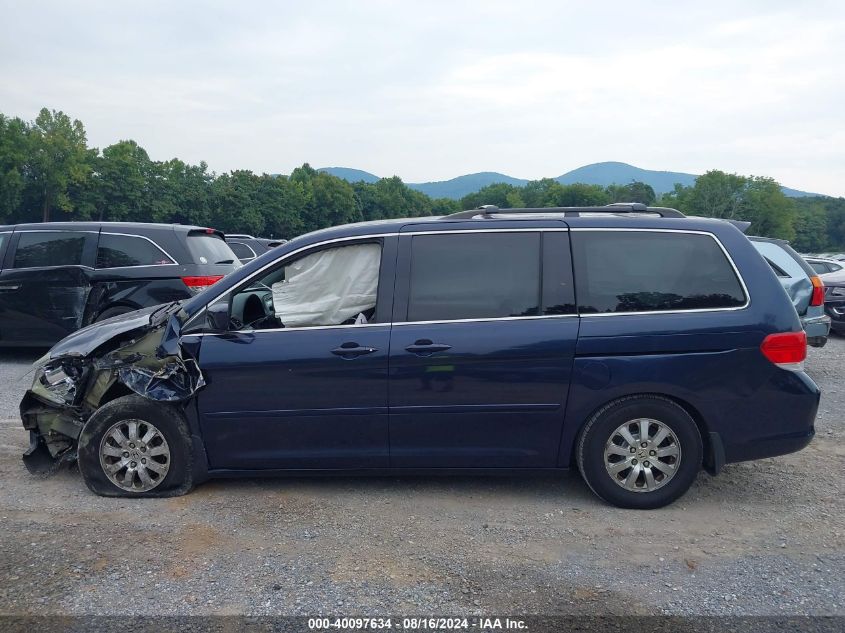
(210, 248)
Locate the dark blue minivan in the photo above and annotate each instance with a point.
(633, 342)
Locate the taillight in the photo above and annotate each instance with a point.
(817, 297)
(787, 349)
(198, 284)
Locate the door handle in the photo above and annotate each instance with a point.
(348, 351)
(425, 347)
(9, 287)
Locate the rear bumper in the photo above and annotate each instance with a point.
(780, 421)
(770, 446)
(817, 329)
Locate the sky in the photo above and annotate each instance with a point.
(432, 90)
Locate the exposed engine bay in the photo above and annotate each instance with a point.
(136, 353)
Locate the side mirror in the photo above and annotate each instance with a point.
(217, 316)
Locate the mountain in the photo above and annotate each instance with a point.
(612, 173)
(462, 185)
(350, 175)
(604, 174)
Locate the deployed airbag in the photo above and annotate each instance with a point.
(328, 287)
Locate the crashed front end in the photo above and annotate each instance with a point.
(136, 353)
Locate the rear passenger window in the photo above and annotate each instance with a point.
(480, 276)
(642, 271)
(49, 248)
(119, 251)
(243, 251)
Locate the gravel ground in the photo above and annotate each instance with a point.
(762, 538)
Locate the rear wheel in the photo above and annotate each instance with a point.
(134, 447)
(640, 452)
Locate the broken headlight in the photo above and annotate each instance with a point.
(57, 381)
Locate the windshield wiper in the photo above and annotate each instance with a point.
(167, 308)
(225, 261)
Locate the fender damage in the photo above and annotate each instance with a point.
(137, 352)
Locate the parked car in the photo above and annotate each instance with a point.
(834, 256)
(247, 247)
(803, 285)
(834, 300)
(632, 342)
(823, 265)
(60, 276)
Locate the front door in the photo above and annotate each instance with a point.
(482, 349)
(303, 384)
(44, 285)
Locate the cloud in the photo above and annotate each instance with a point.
(430, 91)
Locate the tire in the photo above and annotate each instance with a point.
(166, 453)
(113, 312)
(672, 459)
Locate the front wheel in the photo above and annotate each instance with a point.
(133, 447)
(640, 452)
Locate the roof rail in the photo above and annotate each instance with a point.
(489, 210)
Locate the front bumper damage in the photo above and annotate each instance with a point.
(72, 382)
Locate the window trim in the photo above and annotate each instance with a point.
(16, 236)
(406, 285)
(679, 311)
(317, 246)
(172, 259)
(400, 233)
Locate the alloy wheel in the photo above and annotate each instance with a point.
(642, 455)
(134, 455)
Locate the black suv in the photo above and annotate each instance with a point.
(58, 277)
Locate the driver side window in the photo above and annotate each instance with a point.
(332, 286)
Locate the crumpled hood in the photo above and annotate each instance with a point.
(83, 342)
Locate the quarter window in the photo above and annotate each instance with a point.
(119, 251)
(642, 271)
(38, 249)
(243, 251)
(475, 276)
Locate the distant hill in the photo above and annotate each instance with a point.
(612, 173)
(604, 174)
(350, 175)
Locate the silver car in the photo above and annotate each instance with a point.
(802, 284)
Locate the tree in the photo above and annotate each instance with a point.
(768, 209)
(60, 158)
(14, 154)
(236, 206)
(121, 183)
(329, 201)
(634, 191)
(811, 220)
(501, 194)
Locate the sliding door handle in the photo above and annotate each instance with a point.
(424, 347)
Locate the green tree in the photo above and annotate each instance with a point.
(501, 194)
(14, 155)
(236, 207)
(60, 159)
(678, 198)
(811, 220)
(769, 210)
(121, 183)
(634, 191)
(280, 201)
(329, 201)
